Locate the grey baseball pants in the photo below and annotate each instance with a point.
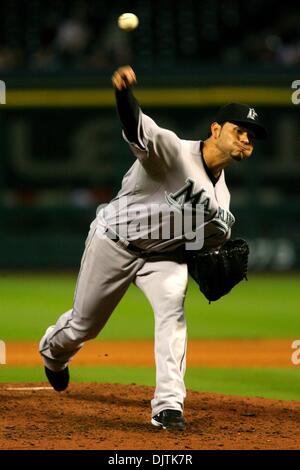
(106, 272)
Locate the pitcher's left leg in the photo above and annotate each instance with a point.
(164, 283)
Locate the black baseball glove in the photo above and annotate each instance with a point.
(218, 271)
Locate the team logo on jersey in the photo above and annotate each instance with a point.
(191, 207)
(252, 114)
(224, 218)
(186, 195)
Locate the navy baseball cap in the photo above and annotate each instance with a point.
(243, 115)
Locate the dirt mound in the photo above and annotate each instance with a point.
(117, 417)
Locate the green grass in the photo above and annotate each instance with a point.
(281, 384)
(277, 383)
(264, 307)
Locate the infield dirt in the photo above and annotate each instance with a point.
(200, 353)
(117, 417)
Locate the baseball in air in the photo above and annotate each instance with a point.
(128, 21)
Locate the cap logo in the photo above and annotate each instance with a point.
(252, 114)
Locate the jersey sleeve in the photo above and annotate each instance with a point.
(154, 142)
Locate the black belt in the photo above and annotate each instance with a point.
(165, 255)
(114, 237)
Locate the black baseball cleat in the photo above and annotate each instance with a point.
(169, 419)
(59, 380)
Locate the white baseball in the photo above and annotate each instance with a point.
(128, 21)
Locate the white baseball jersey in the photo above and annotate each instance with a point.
(168, 172)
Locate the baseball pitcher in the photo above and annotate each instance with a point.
(173, 200)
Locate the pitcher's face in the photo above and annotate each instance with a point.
(235, 141)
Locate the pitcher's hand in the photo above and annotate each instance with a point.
(123, 77)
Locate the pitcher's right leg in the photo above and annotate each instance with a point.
(164, 283)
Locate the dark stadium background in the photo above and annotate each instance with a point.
(61, 151)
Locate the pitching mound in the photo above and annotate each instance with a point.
(117, 417)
